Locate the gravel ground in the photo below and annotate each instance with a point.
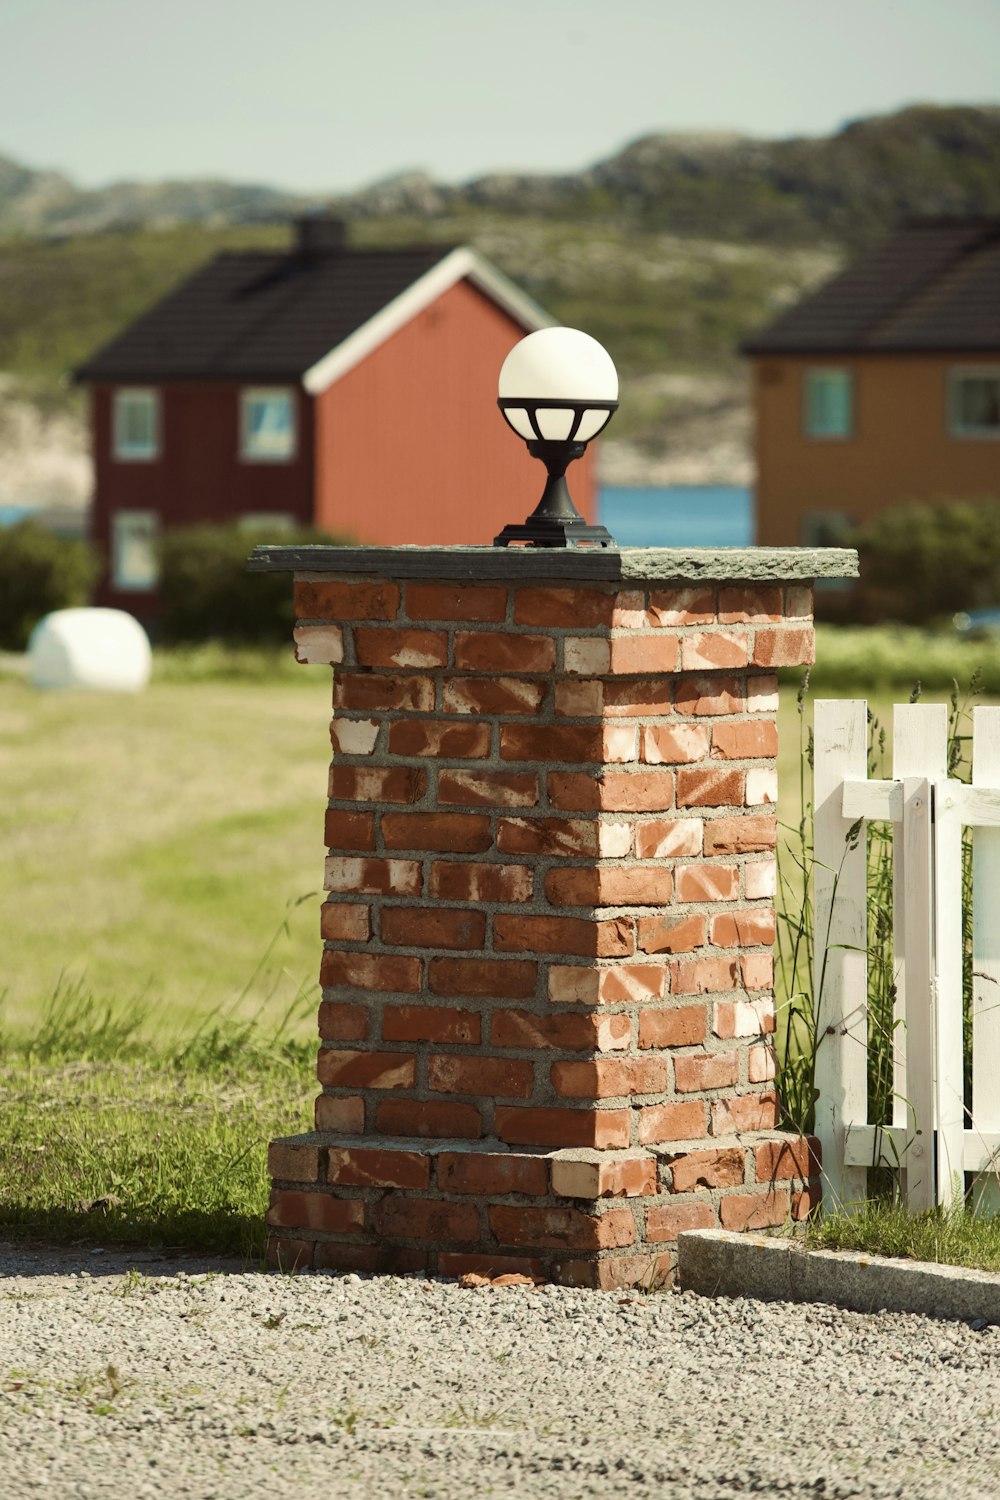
(200, 1380)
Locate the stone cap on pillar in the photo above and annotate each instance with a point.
(597, 565)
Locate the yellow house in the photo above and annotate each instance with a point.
(883, 386)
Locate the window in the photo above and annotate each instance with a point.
(136, 425)
(267, 426)
(266, 520)
(134, 564)
(826, 528)
(974, 402)
(829, 401)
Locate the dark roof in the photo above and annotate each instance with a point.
(934, 285)
(254, 315)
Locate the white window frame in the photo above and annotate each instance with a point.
(120, 447)
(120, 580)
(266, 393)
(829, 437)
(956, 374)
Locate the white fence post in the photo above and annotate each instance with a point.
(841, 962)
(986, 949)
(948, 1052)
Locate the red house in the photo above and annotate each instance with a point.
(350, 390)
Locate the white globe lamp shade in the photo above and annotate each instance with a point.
(559, 363)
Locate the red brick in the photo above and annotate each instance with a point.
(346, 601)
(665, 839)
(762, 1064)
(752, 605)
(707, 1169)
(570, 1032)
(371, 971)
(638, 698)
(605, 1129)
(609, 1077)
(680, 1026)
(547, 836)
(684, 1121)
(387, 646)
(782, 1161)
(747, 1112)
(284, 1253)
(340, 1115)
(709, 788)
(716, 1070)
(609, 938)
(674, 744)
(462, 833)
(630, 1176)
(366, 1070)
(645, 1272)
(754, 1210)
(508, 979)
(792, 646)
(353, 736)
(799, 602)
(757, 970)
(707, 882)
(578, 699)
(670, 934)
(461, 1262)
(495, 651)
(481, 882)
(290, 1210)
(574, 791)
(493, 1077)
(377, 783)
(682, 606)
(562, 1228)
(496, 695)
(749, 835)
(706, 651)
(338, 1255)
(757, 739)
(704, 696)
(345, 922)
(348, 830)
(627, 983)
(366, 1166)
(447, 741)
(803, 1203)
(635, 654)
(440, 1119)
(743, 928)
(558, 743)
(488, 788)
(339, 1022)
(436, 601)
(432, 927)
(319, 644)
(636, 791)
(667, 1223)
(609, 885)
(363, 690)
(293, 1163)
(569, 608)
(705, 976)
(744, 1018)
(431, 1023)
(373, 877)
(426, 1219)
(495, 1173)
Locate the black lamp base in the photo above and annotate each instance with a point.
(540, 532)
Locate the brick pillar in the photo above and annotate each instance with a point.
(547, 1015)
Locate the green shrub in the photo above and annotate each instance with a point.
(39, 572)
(918, 561)
(206, 592)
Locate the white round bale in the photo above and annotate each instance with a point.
(98, 650)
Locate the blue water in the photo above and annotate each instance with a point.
(679, 515)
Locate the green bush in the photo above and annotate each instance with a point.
(918, 561)
(206, 592)
(39, 572)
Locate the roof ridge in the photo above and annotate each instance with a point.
(916, 289)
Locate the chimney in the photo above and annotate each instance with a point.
(318, 235)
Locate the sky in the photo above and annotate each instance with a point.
(330, 95)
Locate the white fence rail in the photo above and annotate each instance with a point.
(931, 1139)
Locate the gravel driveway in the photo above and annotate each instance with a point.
(198, 1379)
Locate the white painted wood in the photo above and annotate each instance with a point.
(980, 808)
(986, 952)
(873, 799)
(840, 978)
(919, 750)
(887, 1144)
(949, 1105)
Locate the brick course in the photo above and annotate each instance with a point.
(547, 944)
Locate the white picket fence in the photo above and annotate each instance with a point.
(931, 1139)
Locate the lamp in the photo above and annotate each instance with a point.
(558, 390)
